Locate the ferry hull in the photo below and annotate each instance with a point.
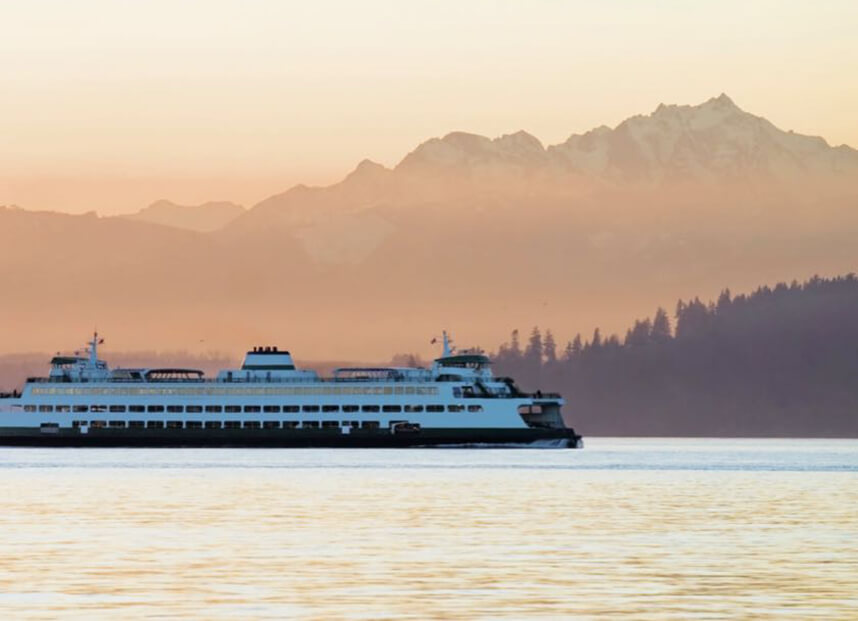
(291, 438)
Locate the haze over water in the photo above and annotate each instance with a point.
(636, 528)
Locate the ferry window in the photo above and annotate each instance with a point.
(136, 408)
(174, 424)
(311, 408)
(371, 408)
(155, 408)
(392, 408)
(271, 424)
(232, 409)
(97, 423)
(330, 424)
(81, 408)
(330, 408)
(455, 408)
(310, 424)
(370, 424)
(251, 424)
(212, 424)
(232, 424)
(79, 423)
(117, 423)
(135, 424)
(117, 408)
(290, 424)
(175, 409)
(155, 424)
(291, 408)
(434, 408)
(271, 409)
(354, 424)
(252, 408)
(214, 409)
(413, 408)
(98, 408)
(46, 408)
(63, 408)
(350, 408)
(457, 391)
(194, 424)
(475, 408)
(29, 408)
(194, 409)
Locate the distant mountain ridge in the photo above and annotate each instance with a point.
(203, 218)
(468, 232)
(711, 141)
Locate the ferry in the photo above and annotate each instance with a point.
(269, 402)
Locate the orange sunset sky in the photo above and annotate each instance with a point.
(110, 105)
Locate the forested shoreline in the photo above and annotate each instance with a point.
(781, 361)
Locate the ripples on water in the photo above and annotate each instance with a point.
(635, 528)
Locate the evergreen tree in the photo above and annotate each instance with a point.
(549, 348)
(660, 332)
(533, 353)
(596, 343)
(640, 334)
(514, 348)
(724, 301)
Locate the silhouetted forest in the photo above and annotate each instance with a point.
(781, 361)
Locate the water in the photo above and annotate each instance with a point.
(672, 529)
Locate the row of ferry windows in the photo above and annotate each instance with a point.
(229, 424)
(126, 391)
(251, 409)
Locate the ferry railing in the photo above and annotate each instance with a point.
(468, 393)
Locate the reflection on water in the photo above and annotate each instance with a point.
(655, 528)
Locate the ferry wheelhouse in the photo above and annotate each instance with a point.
(269, 402)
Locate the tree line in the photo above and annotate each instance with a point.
(780, 361)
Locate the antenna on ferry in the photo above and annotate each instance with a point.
(93, 348)
(448, 345)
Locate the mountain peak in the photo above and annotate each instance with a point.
(366, 172)
(207, 217)
(520, 141)
(721, 104)
(366, 168)
(722, 100)
(463, 150)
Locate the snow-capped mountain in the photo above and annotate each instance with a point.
(713, 141)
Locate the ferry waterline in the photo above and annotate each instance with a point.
(268, 402)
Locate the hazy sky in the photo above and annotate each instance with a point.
(111, 105)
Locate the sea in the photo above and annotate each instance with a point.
(625, 528)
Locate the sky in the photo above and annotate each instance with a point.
(110, 105)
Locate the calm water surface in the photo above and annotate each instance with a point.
(644, 529)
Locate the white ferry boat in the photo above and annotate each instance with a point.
(268, 402)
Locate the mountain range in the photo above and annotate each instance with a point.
(466, 232)
(204, 218)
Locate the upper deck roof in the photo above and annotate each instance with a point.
(62, 360)
(463, 359)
